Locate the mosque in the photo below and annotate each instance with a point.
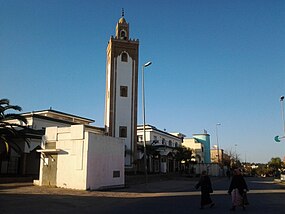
(72, 153)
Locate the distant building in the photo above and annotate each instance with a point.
(196, 147)
(161, 149)
(217, 155)
(205, 140)
(199, 144)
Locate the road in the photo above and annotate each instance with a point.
(173, 196)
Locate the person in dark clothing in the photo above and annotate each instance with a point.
(237, 190)
(228, 174)
(206, 189)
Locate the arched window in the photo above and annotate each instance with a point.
(124, 57)
(123, 35)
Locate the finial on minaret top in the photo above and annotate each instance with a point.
(122, 19)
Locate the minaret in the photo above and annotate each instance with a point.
(122, 89)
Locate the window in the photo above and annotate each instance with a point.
(140, 138)
(155, 141)
(124, 91)
(116, 174)
(123, 131)
(169, 143)
(123, 35)
(124, 57)
(163, 141)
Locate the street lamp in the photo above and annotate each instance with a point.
(236, 152)
(282, 112)
(218, 124)
(143, 112)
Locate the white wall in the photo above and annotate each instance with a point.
(150, 133)
(72, 160)
(38, 123)
(212, 169)
(71, 167)
(124, 104)
(107, 98)
(105, 155)
(196, 147)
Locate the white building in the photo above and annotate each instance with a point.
(217, 155)
(80, 157)
(199, 153)
(27, 162)
(66, 151)
(196, 147)
(161, 149)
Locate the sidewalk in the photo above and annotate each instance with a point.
(134, 185)
(15, 179)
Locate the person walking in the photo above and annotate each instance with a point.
(228, 174)
(206, 189)
(237, 190)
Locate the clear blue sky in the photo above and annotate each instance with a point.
(214, 61)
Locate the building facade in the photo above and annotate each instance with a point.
(205, 140)
(200, 145)
(122, 89)
(161, 150)
(27, 162)
(197, 148)
(217, 156)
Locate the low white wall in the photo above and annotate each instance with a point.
(105, 162)
(212, 169)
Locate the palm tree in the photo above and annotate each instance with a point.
(184, 154)
(12, 126)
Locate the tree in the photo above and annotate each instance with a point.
(12, 126)
(262, 170)
(183, 154)
(231, 159)
(275, 164)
